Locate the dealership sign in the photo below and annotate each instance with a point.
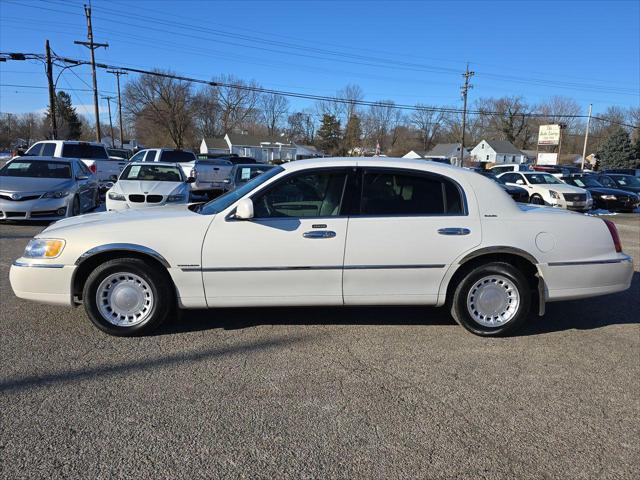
(549, 135)
(547, 159)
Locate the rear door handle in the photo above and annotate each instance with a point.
(319, 234)
(454, 231)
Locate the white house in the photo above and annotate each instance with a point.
(442, 151)
(497, 151)
(265, 150)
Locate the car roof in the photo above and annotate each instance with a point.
(160, 164)
(48, 158)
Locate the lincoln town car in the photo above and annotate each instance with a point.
(329, 232)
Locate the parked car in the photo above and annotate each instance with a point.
(558, 171)
(46, 188)
(119, 153)
(545, 189)
(236, 160)
(635, 172)
(94, 155)
(209, 175)
(510, 167)
(613, 199)
(143, 184)
(419, 233)
(621, 181)
(518, 194)
(241, 174)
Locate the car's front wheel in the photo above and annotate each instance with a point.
(127, 297)
(492, 299)
(536, 200)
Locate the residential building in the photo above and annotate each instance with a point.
(265, 150)
(497, 151)
(442, 151)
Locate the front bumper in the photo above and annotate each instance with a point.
(43, 281)
(583, 206)
(38, 209)
(590, 278)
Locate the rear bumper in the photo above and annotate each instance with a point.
(573, 280)
(43, 282)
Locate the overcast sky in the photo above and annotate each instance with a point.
(404, 51)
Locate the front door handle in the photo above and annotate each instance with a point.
(454, 231)
(319, 234)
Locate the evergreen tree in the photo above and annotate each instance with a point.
(69, 125)
(329, 134)
(636, 147)
(352, 135)
(616, 151)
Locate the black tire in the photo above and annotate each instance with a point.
(75, 206)
(96, 199)
(157, 279)
(536, 200)
(460, 311)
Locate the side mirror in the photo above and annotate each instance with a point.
(519, 182)
(113, 178)
(244, 210)
(190, 180)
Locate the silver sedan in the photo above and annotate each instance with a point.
(46, 188)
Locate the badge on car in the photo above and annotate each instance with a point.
(15, 196)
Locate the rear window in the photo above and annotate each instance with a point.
(36, 169)
(84, 150)
(177, 156)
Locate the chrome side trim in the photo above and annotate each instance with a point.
(589, 262)
(127, 247)
(18, 263)
(321, 267)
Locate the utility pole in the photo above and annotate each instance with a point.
(117, 73)
(52, 93)
(465, 90)
(586, 136)
(108, 99)
(91, 45)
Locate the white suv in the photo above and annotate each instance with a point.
(94, 155)
(545, 189)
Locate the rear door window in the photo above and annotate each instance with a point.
(35, 149)
(177, 156)
(84, 150)
(48, 149)
(151, 156)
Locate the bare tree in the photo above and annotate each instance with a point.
(506, 119)
(350, 95)
(274, 109)
(427, 122)
(207, 113)
(380, 124)
(238, 102)
(162, 104)
(301, 127)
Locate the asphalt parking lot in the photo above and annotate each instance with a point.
(321, 393)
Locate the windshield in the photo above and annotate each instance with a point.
(36, 169)
(584, 182)
(84, 150)
(244, 174)
(626, 181)
(159, 173)
(224, 201)
(542, 178)
(177, 156)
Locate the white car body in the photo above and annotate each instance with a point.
(217, 260)
(103, 166)
(209, 175)
(147, 193)
(552, 194)
(510, 167)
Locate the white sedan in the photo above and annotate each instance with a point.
(350, 231)
(546, 189)
(148, 185)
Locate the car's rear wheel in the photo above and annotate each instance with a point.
(536, 200)
(492, 299)
(127, 297)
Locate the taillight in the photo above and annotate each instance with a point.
(613, 230)
(93, 168)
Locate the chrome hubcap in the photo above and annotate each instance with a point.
(124, 299)
(493, 301)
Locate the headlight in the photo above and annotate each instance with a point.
(116, 196)
(175, 198)
(609, 197)
(44, 248)
(554, 194)
(56, 194)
